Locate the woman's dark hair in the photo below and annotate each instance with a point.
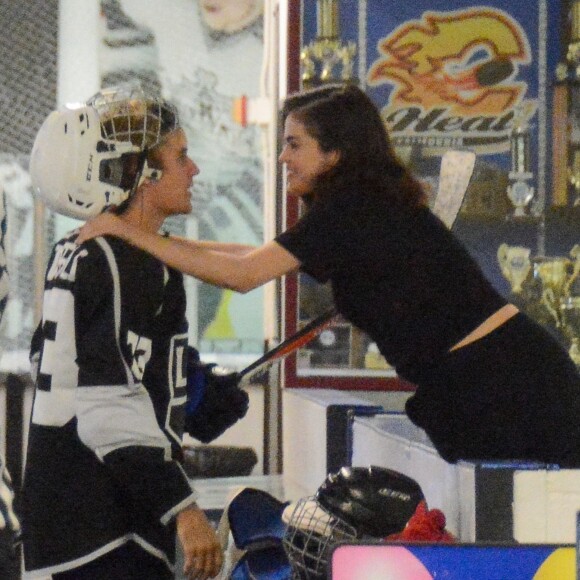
(343, 118)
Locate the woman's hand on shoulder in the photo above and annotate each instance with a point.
(105, 223)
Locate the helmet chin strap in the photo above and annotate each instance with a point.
(149, 173)
(144, 173)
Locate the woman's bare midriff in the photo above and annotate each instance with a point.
(498, 318)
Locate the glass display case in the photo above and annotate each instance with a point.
(510, 117)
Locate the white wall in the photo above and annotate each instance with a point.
(78, 64)
(304, 433)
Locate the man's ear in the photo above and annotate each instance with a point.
(151, 174)
(333, 158)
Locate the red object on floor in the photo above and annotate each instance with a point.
(425, 525)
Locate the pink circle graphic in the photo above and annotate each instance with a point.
(377, 563)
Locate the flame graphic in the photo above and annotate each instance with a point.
(465, 60)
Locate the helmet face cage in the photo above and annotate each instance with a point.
(128, 115)
(353, 503)
(310, 534)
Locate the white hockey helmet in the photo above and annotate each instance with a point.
(78, 160)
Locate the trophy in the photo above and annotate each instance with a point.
(573, 56)
(320, 58)
(568, 77)
(553, 273)
(573, 59)
(570, 308)
(520, 192)
(574, 176)
(575, 254)
(554, 291)
(515, 265)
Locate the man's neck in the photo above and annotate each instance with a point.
(138, 215)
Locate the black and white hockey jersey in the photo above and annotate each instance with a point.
(102, 464)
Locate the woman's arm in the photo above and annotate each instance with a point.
(227, 247)
(241, 271)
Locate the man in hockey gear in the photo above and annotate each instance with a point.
(215, 400)
(104, 492)
(354, 503)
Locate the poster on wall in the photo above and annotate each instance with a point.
(202, 56)
(445, 75)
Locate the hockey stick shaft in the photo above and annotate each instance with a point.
(454, 178)
(297, 340)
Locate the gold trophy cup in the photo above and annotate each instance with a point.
(555, 275)
(327, 59)
(570, 308)
(515, 265)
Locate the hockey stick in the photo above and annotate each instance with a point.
(454, 177)
(297, 340)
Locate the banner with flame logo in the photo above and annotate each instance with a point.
(454, 74)
(459, 77)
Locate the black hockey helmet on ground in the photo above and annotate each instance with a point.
(376, 501)
(351, 504)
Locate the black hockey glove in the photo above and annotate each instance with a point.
(215, 400)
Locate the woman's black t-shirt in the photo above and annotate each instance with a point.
(398, 274)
